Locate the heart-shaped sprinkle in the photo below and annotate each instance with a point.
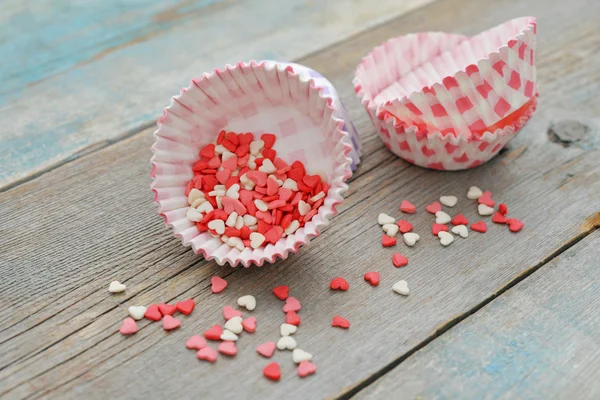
(401, 287)
(442, 218)
(484, 210)
(407, 207)
(287, 329)
(229, 336)
(479, 227)
(227, 348)
(281, 292)
(486, 198)
(339, 322)
(128, 327)
(514, 224)
(153, 313)
(170, 323)
(384, 219)
(116, 287)
(292, 304)
(292, 318)
(339, 283)
(217, 225)
(256, 240)
(195, 342)
(214, 333)
(399, 260)
(185, 307)
(249, 324)
(411, 238)
(247, 301)
(449, 201)
(446, 238)
(503, 209)
(373, 278)
(434, 207)
(474, 193)
(217, 284)
(390, 229)
(234, 325)
(229, 312)
(266, 349)
(300, 355)
(306, 368)
(286, 343)
(167, 309)
(499, 218)
(137, 312)
(272, 371)
(460, 220)
(460, 230)
(404, 226)
(387, 241)
(207, 354)
(437, 228)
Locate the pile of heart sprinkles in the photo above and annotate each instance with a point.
(246, 195)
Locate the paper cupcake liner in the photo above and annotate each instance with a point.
(250, 97)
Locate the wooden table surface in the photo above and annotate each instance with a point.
(497, 315)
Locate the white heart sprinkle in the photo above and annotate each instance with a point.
(482, 209)
(287, 329)
(236, 242)
(116, 287)
(233, 191)
(300, 355)
(194, 215)
(239, 222)
(267, 167)
(230, 336)
(411, 238)
(261, 205)
(137, 312)
(446, 238)
(290, 184)
(198, 201)
(292, 227)
(474, 193)
(401, 287)
(217, 225)
(219, 149)
(449, 201)
(234, 325)
(390, 229)
(303, 207)
(247, 301)
(256, 146)
(194, 195)
(286, 343)
(231, 220)
(442, 218)
(460, 230)
(226, 155)
(205, 207)
(384, 219)
(256, 240)
(250, 220)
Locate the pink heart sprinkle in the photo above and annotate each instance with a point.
(207, 354)
(291, 304)
(249, 324)
(229, 312)
(227, 348)
(128, 327)
(170, 323)
(196, 342)
(266, 349)
(218, 284)
(306, 368)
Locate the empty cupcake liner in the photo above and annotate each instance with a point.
(257, 97)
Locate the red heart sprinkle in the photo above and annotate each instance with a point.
(292, 318)
(266, 349)
(195, 342)
(207, 354)
(153, 313)
(339, 283)
(340, 322)
(437, 228)
(311, 180)
(486, 198)
(373, 278)
(272, 371)
(387, 241)
(227, 348)
(503, 209)
(229, 312)
(185, 307)
(208, 151)
(167, 309)
(291, 304)
(434, 207)
(499, 218)
(407, 207)
(170, 322)
(218, 284)
(269, 139)
(249, 324)
(479, 227)
(404, 226)
(128, 327)
(214, 333)
(460, 220)
(306, 368)
(399, 260)
(281, 292)
(514, 224)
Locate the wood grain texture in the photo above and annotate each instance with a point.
(78, 75)
(68, 233)
(537, 341)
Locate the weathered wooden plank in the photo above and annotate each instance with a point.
(76, 75)
(75, 229)
(537, 341)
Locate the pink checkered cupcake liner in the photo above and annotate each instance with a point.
(424, 88)
(256, 97)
